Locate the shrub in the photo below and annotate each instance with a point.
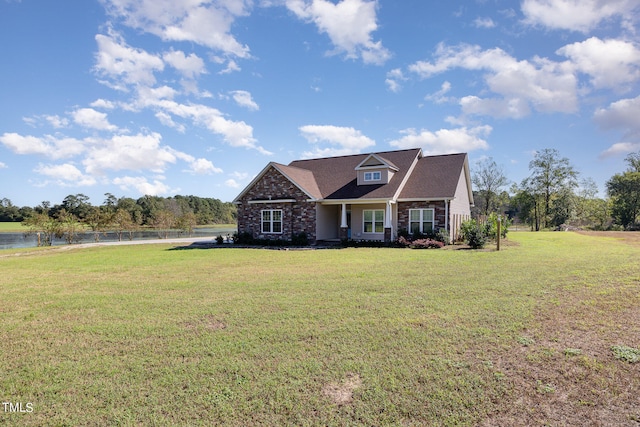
(426, 244)
(220, 240)
(474, 234)
(300, 239)
(243, 238)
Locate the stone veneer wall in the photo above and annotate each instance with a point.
(440, 213)
(296, 217)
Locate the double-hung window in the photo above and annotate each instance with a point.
(373, 221)
(421, 220)
(372, 176)
(272, 221)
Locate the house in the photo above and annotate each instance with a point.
(361, 197)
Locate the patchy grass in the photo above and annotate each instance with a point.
(140, 335)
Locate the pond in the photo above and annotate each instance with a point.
(21, 240)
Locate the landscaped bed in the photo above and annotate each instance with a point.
(146, 335)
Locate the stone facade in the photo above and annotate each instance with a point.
(439, 211)
(298, 216)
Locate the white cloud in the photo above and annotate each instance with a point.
(540, 84)
(610, 63)
(207, 23)
(103, 103)
(124, 64)
(577, 15)
(57, 121)
(129, 152)
(620, 148)
(203, 167)
(143, 186)
(343, 140)
(232, 183)
(244, 99)
(49, 146)
(348, 23)
(3, 165)
(445, 141)
(623, 115)
(394, 79)
(484, 23)
(236, 134)
(189, 66)
(439, 96)
(65, 174)
(92, 119)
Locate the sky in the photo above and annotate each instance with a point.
(196, 97)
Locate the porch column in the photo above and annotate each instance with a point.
(343, 221)
(344, 227)
(387, 222)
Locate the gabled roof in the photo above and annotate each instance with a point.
(416, 177)
(437, 177)
(301, 178)
(336, 177)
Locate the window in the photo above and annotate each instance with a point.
(373, 221)
(272, 221)
(421, 220)
(372, 176)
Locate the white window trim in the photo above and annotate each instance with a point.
(373, 221)
(271, 221)
(422, 221)
(371, 176)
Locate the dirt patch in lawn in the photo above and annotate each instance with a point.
(342, 393)
(630, 237)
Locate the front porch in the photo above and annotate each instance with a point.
(356, 221)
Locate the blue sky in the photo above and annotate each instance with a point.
(165, 97)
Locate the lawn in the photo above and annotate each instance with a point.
(155, 335)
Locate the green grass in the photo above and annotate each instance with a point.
(12, 227)
(146, 335)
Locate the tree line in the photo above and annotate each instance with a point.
(124, 215)
(555, 196)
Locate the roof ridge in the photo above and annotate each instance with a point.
(354, 155)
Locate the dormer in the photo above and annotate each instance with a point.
(375, 170)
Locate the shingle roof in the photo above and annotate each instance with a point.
(336, 178)
(434, 177)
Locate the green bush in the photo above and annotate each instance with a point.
(473, 233)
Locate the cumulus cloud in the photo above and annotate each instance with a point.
(622, 115)
(342, 140)
(65, 174)
(123, 64)
(539, 84)
(129, 152)
(577, 15)
(143, 186)
(394, 80)
(48, 146)
(610, 63)
(348, 23)
(190, 66)
(244, 99)
(232, 183)
(92, 119)
(207, 23)
(445, 141)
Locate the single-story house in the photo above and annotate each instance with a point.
(360, 197)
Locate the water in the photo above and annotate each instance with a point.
(20, 240)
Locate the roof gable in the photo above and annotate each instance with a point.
(376, 161)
